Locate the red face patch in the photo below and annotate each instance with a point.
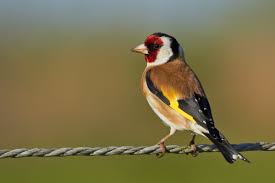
(153, 43)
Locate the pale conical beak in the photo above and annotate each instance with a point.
(141, 49)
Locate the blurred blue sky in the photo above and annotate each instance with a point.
(96, 15)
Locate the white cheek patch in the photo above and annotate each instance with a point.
(164, 53)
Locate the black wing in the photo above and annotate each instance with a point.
(198, 107)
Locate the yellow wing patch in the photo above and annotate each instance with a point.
(171, 95)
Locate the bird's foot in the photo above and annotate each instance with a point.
(191, 149)
(162, 148)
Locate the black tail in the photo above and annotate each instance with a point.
(228, 152)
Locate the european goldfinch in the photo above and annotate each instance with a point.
(176, 95)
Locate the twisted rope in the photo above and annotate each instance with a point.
(125, 150)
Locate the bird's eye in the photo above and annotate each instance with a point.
(153, 47)
(156, 46)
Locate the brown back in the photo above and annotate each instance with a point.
(177, 76)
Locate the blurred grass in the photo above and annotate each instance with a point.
(137, 169)
(67, 78)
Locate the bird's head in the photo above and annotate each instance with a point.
(159, 48)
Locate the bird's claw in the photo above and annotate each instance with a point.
(191, 149)
(162, 150)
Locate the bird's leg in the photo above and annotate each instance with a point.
(192, 145)
(162, 141)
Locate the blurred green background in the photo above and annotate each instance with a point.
(67, 78)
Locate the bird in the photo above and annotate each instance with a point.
(176, 95)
